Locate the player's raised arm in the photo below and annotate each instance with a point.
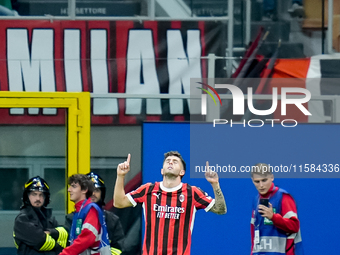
(220, 206)
(119, 197)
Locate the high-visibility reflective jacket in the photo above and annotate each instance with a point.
(89, 238)
(273, 240)
(29, 235)
(114, 229)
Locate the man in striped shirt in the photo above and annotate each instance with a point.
(169, 206)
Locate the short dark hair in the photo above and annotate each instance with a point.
(176, 154)
(84, 182)
(261, 169)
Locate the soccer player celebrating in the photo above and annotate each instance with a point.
(169, 206)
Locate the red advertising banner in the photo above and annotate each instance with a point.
(103, 57)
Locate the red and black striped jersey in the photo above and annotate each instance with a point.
(169, 216)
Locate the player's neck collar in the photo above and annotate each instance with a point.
(170, 189)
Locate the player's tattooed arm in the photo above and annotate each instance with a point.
(220, 206)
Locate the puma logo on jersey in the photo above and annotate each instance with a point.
(156, 194)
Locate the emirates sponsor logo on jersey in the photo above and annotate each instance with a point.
(168, 212)
(166, 208)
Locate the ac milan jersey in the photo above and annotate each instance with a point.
(169, 216)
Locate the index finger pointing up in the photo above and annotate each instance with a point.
(128, 158)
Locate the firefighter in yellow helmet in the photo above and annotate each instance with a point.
(36, 231)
